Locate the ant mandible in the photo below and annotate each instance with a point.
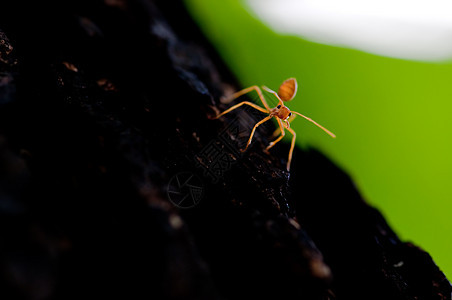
(282, 113)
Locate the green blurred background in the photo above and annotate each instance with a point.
(391, 116)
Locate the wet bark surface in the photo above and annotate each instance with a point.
(115, 181)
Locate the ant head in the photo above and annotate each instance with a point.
(286, 123)
(282, 112)
(288, 89)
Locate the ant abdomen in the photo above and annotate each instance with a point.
(288, 89)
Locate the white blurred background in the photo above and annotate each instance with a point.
(407, 29)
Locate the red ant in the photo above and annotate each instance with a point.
(282, 113)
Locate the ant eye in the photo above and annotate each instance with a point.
(279, 106)
(290, 114)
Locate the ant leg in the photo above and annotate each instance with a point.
(292, 146)
(282, 133)
(247, 90)
(240, 104)
(254, 129)
(280, 129)
(273, 92)
(277, 132)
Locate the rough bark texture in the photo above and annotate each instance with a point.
(105, 113)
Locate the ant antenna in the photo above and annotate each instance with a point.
(318, 125)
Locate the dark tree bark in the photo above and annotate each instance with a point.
(106, 125)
